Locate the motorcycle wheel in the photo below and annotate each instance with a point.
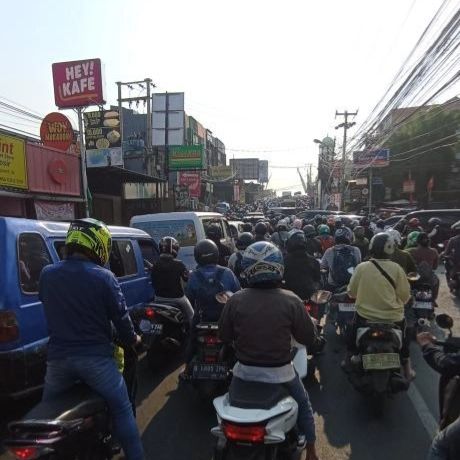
(156, 357)
(207, 390)
(376, 404)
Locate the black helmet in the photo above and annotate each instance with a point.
(309, 231)
(296, 242)
(434, 221)
(214, 232)
(260, 228)
(382, 246)
(206, 252)
(247, 227)
(318, 219)
(380, 224)
(281, 227)
(423, 239)
(244, 240)
(169, 245)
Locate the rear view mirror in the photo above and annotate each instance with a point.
(444, 321)
(321, 297)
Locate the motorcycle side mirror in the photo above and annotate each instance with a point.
(413, 276)
(321, 297)
(444, 321)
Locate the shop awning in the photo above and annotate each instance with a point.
(122, 175)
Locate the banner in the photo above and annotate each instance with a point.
(47, 210)
(13, 172)
(184, 157)
(373, 158)
(221, 172)
(191, 180)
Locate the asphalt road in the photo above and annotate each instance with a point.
(175, 424)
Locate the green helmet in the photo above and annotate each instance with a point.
(412, 239)
(91, 235)
(324, 229)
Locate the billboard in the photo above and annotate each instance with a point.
(78, 83)
(376, 158)
(13, 172)
(56, 131)
(221, 172)
(185, 157)
(191, 180)
(263, 170)
(170, 105)
(245, 168)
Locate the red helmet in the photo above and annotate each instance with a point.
(414, 222)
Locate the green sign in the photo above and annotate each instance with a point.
(185, 157)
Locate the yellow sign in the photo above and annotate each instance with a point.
(13, 172)
(221, 172)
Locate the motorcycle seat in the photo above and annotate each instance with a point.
(79, 402)
(255, 395)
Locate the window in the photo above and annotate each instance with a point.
(149, 253)
(183, 230)
(60, 249)
(122, 259)
(33, 255)
(208, 221)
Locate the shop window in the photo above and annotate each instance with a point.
(122, 259)
(33, 255)
(149, 253)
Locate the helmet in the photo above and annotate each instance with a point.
(395, 235)
(380, 224)
(309, 231)
(423, 239)
(206, 252)
(412, 239)
(169, 245)
(364, 222)
(434, 221)
(456, 226)
(296, 241)
(330, 220)
(324, 229)
(342, 236)
(318, 219)
(359, 231)
(281, 227)
(244, 240)
(92, 237)
(262, 262)
(414, 222)
(214, 232)
(247, 227)
(382, 246)
(297, 224)
(260, 228)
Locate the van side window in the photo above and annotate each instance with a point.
(213, 220)
(60, 249)
(33, 255)
(149, 253)
(122, 258)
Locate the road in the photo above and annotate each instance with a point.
(175, 424)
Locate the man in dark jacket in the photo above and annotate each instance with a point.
(214, 233)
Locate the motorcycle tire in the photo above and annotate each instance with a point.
(157, 357)
(376, 404)
(253, 452)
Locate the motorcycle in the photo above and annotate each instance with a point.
(454, 279)
(344, 309)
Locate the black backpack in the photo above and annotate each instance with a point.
(206, 302)
(343, 260)
(237, 270)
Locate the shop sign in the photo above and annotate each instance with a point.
(56, 131)
(183, 157)
(13, 171)
(47, 210)
(191, 180)
(78, 83)
(57, 169)
(373, 158)
(104, 157)
(221, 172)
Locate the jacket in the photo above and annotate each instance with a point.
(81, 301)
(301, 274)
(260, 323)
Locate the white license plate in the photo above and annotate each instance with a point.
(424, 305)
(347, 306)
(381, 361)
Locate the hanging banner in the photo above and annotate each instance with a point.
(56, 131)
(13, 172)
(47, 210)
(191, 180)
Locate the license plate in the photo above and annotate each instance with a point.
(147, 327)
(424, 305)
(381, 361)
(202, 371)
(347, 307)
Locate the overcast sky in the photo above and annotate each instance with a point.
(260, 74)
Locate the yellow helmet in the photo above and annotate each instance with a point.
(91, 235)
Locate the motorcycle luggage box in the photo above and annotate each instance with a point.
(255, 395)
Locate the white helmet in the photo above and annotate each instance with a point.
(395, 235)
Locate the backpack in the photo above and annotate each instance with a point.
(207, 304)
(343, 260)
(238, 269)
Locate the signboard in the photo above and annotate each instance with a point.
(221, 172)
(245, 168)
(191, 180)
(185, 157)
(375, 158)
(361, 181)
(56, 131)
(78, 83)
(13, 172)
(46, 210)
(409, 186)
(263, 171)
(168, 107)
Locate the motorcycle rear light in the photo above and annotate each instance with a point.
(149, 312)
(24, 452)
(9, 329)
(377, 334)
(210, 359)
(209, 340)
(248, 433)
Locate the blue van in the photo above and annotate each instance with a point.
(26, 246)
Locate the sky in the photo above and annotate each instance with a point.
(266, 77)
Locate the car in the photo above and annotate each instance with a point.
(236, 228)
(393, 220)
(447, 216)
(253, 217)
(311, 213)
(29, 245)
(187, 227)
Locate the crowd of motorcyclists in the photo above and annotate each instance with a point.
(279, 263)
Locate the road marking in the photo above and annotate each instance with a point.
(424, 413)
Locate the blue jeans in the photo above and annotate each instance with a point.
(446, 444)
(305, 420)
(102, 375)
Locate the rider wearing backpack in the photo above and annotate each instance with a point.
(324, 237)
(280, 237)
(234, 263)
(339, 259)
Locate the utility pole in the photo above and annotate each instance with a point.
(345, 125)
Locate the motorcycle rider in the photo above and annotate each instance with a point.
(167, 274)
(452, 252)
(313, 245)
(260, 232)
(360, 241)
(402, 258)
(301, 271)
(324, 237)
(204, 280)
(247, 227)
(411, 240)
(82, 300)
(214, 233)
(436, 233)
(260, 321)
(368, 233)
(446, 444)
(280, 237)
(376, 298)
(234, 263)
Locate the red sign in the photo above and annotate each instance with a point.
(78, 83)
(56, 131)
(57, 169)
(192, 180)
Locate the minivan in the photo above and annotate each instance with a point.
(186, 227)
(447, 216)
(26, 247)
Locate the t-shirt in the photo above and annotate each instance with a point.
(376, 298)
(167, 274)
(421, 254)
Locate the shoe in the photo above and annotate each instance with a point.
(185, 375)
(301, 441)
